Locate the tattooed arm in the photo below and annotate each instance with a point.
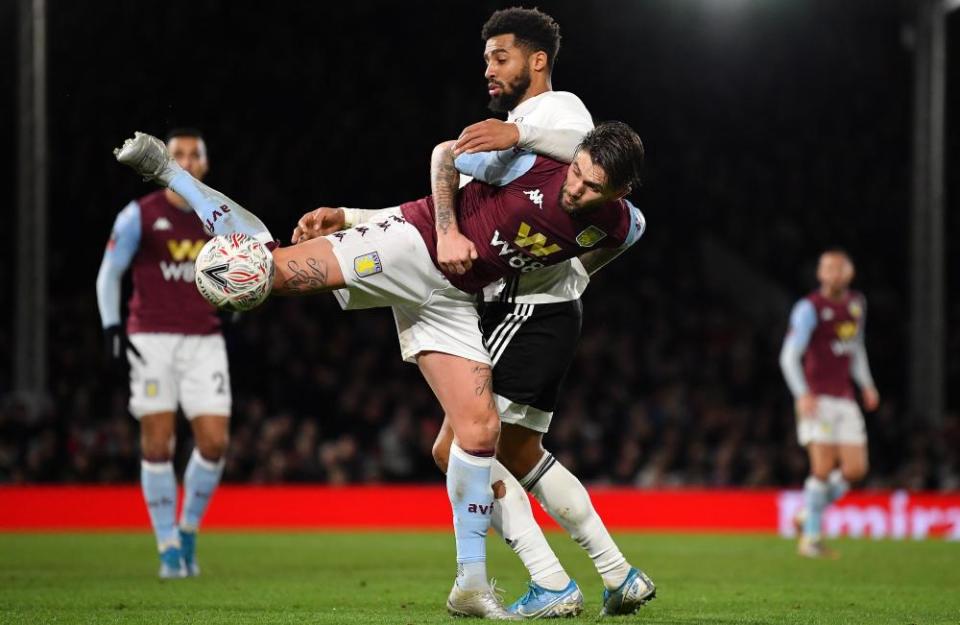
(455, 252)
(309, 267)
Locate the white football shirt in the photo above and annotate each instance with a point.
(553, 110)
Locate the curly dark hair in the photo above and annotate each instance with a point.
(617, 148)
(532, 28)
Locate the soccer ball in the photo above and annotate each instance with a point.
(234, 272)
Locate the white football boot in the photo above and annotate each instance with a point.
(148, 156)
(483, 603)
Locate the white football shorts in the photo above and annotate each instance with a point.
(523, 415)
(186, 369)
(838, 421)
(386, 263)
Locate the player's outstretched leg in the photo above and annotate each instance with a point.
(309, 267)
(563, 496)
(148, 156)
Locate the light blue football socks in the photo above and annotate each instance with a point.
(471, 497)
(160, 493)
(219, 214)
(199, 482)
(815, 494)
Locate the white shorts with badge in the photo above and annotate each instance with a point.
(188, 370)
(838, 421)
(386, 263)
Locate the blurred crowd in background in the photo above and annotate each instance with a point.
(769, 138)
(670, 388)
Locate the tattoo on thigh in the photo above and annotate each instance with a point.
(483, 383)
(313, 277)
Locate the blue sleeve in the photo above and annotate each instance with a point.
(496, 168)
(123, 245)
(803, 321)
(638, 225)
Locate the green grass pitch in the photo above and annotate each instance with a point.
(404, 578)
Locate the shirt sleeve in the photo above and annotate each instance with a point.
(638, 225)
(496, 168)
(558, 143)
(598, 258)
(121, 248)
(561, 133)
(803, 321)
(859, 363)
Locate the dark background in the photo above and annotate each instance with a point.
(773, 130)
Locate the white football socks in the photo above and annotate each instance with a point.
(513, 520)
(565, 499)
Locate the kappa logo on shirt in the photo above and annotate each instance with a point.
(162, 223)
(536, 197)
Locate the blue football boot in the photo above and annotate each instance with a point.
(539, 602)
(188, 549)
(171, 564)
(636, 590)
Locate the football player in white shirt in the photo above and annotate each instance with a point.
(531, 326)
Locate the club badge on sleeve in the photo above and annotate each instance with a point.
(367, 265)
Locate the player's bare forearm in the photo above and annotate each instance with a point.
(444, 182)
(309, 267)
(455, 252)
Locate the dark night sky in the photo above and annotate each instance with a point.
(778, 126)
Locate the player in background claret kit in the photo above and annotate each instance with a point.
(176, 353)
(531, 325)
(822, 355)
(396, 262)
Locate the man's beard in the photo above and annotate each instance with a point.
(568, 210)
(578, 211)
(508, 100)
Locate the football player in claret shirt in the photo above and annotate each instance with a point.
(176, 352)
(822, 356)
(517, 216)
(531, 326)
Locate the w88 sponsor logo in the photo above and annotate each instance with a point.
(528, 244)
(183, 253)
